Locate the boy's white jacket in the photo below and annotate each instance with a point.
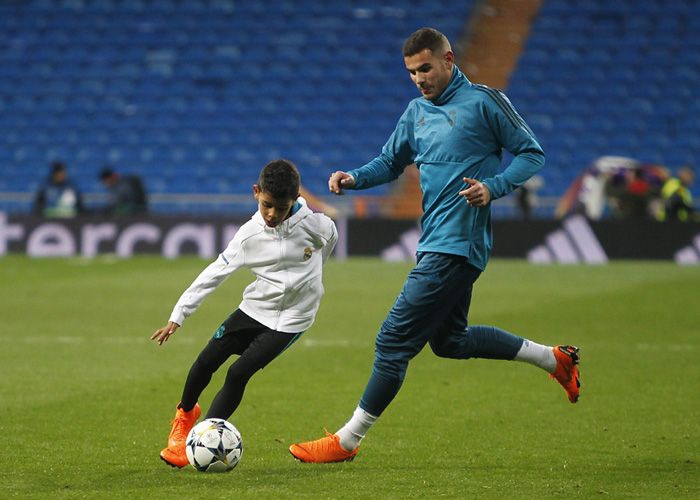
(287, 262)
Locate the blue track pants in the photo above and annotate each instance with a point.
(431, 308)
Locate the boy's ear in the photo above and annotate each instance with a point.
(256, 191)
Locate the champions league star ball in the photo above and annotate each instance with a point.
(214, 445)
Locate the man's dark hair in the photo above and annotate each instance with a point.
(280, 179)
(106, 172)
(425, 38)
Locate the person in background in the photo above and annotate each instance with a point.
(58, 196)
(630, 193)
(127, 194)
(676, 196)
(527, 197)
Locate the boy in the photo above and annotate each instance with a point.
(285, 245)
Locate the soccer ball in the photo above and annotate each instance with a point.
(214, 445)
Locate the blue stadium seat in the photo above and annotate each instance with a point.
(223, 86)
(628, 70)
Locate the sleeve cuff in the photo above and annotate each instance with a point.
(177, 317)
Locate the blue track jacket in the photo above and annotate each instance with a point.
(460, 134)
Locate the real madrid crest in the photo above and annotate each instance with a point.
(307, 253)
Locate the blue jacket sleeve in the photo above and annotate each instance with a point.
(514, 135)
(396, 155)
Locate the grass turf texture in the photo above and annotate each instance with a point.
(87, 397)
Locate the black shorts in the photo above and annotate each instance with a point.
(240, 334)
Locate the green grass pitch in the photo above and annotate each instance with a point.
(87, 398)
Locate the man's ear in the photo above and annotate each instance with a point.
(256, 191)
(449, 57)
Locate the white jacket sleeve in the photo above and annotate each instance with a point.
(331, 236)
(211, 277)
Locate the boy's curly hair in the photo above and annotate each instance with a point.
(280, 178)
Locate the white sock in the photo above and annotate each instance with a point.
(355, 429)
(538, 355)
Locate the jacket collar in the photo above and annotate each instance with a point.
(287, 224)
(457, 81)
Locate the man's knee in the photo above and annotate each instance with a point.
(440, 349)
(391, 368)
(391, 361)
(447, 347)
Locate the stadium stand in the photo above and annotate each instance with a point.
(604, 78)
(195, 96)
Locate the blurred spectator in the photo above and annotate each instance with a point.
(127, 195)
(58, 197)
(676, 196)
(631, 192)
(527, 195)
(625, 185)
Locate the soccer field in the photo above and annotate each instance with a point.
(87, 398)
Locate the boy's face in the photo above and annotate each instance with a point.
(273, 210)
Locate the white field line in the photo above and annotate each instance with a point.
(123, 340)
(666, 347)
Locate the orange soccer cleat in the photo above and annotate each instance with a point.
(174, 454)
(324, 450)
(566, 372)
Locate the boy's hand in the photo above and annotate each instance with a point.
(477, 194)
(339, 180)
(163, 334)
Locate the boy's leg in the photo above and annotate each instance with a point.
(217, 350)
(174, 454)
(232, 337)
(262, 349)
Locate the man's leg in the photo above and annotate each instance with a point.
(432, 288)
(457, 341)
(453, 339)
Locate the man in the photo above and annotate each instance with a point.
(676, 196)
(58, 196)
(454, 133)
(127, 195)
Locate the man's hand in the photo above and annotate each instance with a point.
(163, 334)
(339, 181)
(477, 194)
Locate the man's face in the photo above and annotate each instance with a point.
(431, 72)
(686, 176)
(59, 176)
(273, 210)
